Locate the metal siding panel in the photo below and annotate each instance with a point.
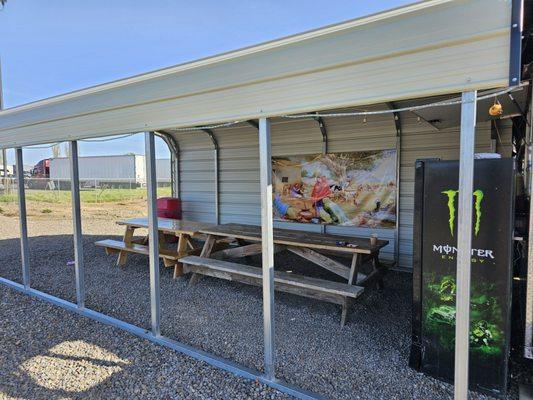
(239, 165)
(367, 61)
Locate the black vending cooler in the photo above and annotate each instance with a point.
(434, 274)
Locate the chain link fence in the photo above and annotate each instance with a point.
(95, 190)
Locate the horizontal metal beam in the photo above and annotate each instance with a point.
(190, 351)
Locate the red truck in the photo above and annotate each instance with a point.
(39, 175)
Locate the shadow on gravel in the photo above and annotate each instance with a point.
(49, 353)
(367, 358)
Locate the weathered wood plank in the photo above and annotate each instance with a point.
(209, 245)
(134, 248)
(240, 252)
(321, 260)
(293, 280)
(297, 238)
(167, 225)
(257, 281)
(128, 236)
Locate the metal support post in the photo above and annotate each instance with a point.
(76, 222)
(324, 132)
(153, 242)
(217, 173)
(528, 337)
(24, 247)
(464, 243)
(398, 128)
(267, 239)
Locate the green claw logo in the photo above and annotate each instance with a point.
(452, 194)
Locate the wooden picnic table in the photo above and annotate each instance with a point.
(304, 244)
(183, 230)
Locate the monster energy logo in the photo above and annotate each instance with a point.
(452, 194)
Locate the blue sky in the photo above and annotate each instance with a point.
(56, 46)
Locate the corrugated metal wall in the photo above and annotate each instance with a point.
(239, 165)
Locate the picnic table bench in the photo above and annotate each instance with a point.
(183, 230)
(303, 244)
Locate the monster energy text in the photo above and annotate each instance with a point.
(447, 249)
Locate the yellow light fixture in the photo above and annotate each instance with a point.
(496, 110)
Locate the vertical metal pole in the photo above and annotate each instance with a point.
(323, 130)
(528, 337)
(217, 194)
(397, 225)
(153, 242)
(24, 249)
(464, 243)
(76, 222)
(267, 239)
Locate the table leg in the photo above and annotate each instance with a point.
(376, 266)
(354, 269)
(206, 252)
(123, 256)
(182, 251)
(345, 307)
(242, 243)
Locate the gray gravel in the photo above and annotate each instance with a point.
(49, 353)
(365, 360)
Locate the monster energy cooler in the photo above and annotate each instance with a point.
(434, 274)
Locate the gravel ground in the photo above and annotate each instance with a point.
(49, 353)
(367, 359)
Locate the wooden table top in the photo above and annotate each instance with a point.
(167, 225)
(297, 238)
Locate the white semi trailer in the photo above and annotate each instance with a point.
(118, 170)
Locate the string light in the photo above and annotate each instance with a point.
(403, 109)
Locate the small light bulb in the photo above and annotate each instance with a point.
(419, 120)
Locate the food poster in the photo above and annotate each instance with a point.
(347, 189)
(492, 227)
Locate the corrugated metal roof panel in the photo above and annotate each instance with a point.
(405, 53)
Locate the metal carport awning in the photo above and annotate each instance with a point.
(371, 60)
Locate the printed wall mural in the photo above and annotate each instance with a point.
(348, 189)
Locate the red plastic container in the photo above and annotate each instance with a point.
(169, 207)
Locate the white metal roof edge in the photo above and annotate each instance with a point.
(233, 54)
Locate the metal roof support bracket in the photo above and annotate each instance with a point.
(253, 123)
(174, 149)
(217, 173)
(324, 132)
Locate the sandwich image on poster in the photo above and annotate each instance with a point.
(347, 189)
